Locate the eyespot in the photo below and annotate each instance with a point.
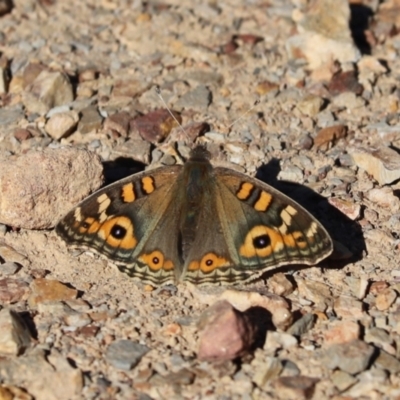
(209, 263)
(156, 260)
(262, 241)
(86, 225)
(300, 239)
(118, 231)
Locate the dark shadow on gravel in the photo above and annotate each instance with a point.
(261, 320)
(120, 168)
(359, 23)
(340, 227)
(27, 318)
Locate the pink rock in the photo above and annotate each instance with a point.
(226, 333)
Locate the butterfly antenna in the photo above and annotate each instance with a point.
(256, 103)
(158, 91)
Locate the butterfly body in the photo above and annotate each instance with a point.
(195, 223)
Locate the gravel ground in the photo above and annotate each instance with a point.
(77, 101)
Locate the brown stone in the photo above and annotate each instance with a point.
(22, 134)
(13, 290)
(129, 88)
(344, 82)
(90, 120)
(295, 387)
(45, 290)
(47, 375)
(118, 122)
(34, 196)
(155, 126)
(88, 331)
(265, 87)
(378, 287)
(318, 292)
(31, 72)
(327, 137)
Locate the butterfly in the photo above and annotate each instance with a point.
(195, 223)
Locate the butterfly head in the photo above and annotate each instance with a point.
(200, 153)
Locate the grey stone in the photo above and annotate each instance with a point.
(290, 368)
(137, 149)
(11, 115)
(8, 268)
(204, 77)
(302, 325)
(377, 336)
(125, 354)
(197, 99)
(342, 380)
(14, 334)
(352, 357)
(90, 121)
(387, 362)
(266, 370)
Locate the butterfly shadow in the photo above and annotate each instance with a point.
(121, 168)
(261, 321)
(349, 243)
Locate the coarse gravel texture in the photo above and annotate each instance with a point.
(97, 334)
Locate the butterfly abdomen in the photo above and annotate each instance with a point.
(196, 187)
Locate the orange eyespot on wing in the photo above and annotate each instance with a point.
(261, 241)
(209, 263)
(118, 232)
(89, 225)
(156, 261)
